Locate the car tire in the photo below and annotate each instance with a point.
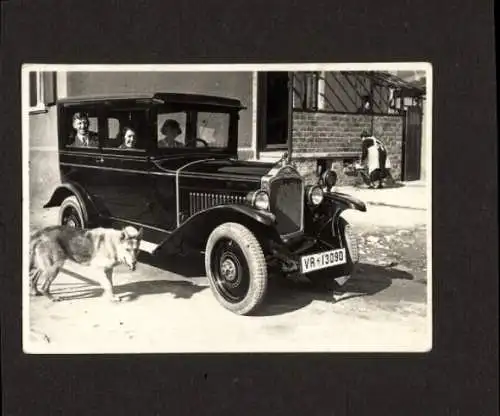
(236, 268)
(71, 213)
(323, 278)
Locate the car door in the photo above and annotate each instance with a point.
(125, 184)
(81, 165)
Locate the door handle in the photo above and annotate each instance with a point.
(100, 160)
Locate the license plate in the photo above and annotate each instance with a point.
(322, 260)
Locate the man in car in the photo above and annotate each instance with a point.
(82, 137)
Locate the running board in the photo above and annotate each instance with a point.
(147, 246)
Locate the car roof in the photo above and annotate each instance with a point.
(157, 97)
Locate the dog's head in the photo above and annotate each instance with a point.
(130, 239)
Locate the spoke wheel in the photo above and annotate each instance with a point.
(236, 268)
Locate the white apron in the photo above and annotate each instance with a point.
(373, 158)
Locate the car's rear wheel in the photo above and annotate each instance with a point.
(70, 213)
(236, 268)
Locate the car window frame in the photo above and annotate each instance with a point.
(191, 110)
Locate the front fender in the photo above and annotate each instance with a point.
(67, 189)
(345, 201)
(195, 230)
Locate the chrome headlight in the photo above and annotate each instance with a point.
(315, 195)
(260, 200)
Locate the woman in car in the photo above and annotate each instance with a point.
(170, 130)
(127, 137)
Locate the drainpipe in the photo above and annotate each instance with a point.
(290, 117)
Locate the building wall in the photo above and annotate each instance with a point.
(337, 138)
(231, 84)
(43, 157)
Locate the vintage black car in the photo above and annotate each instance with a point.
(251, 219)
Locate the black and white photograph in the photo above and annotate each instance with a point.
(227, 208)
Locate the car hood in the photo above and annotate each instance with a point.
(220, 168)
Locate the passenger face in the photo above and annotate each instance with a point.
(81, 125)
(129, 138)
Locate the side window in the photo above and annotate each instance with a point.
(171, 129)
(113, 127)
(112, 137)
(213, 129)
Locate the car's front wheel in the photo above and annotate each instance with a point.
(70, 213)
(236, 268)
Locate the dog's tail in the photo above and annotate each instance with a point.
(32, 253)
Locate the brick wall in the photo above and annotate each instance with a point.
(389, 129)
(337, 138)
(328, 132)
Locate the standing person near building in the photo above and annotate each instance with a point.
(374, 157)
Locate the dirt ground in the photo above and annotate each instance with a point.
(168, 306)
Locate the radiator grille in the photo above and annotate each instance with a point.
(199, 201)
(287, 204)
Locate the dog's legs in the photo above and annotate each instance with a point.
(34, 276)
(50, 274)
(107, 284)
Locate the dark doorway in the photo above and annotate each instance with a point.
(272, 113)
(412, 144)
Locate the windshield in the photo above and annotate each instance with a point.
(193, 129)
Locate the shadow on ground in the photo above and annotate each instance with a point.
(180, 289)
(285, 296)
(388, 184)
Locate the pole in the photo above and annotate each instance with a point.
(290, 117)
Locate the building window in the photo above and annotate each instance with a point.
(42, 91)
(272, 124)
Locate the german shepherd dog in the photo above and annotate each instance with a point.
(102, 248)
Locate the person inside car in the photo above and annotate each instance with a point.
(170, 130)
(127, 137)
(82, 137)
